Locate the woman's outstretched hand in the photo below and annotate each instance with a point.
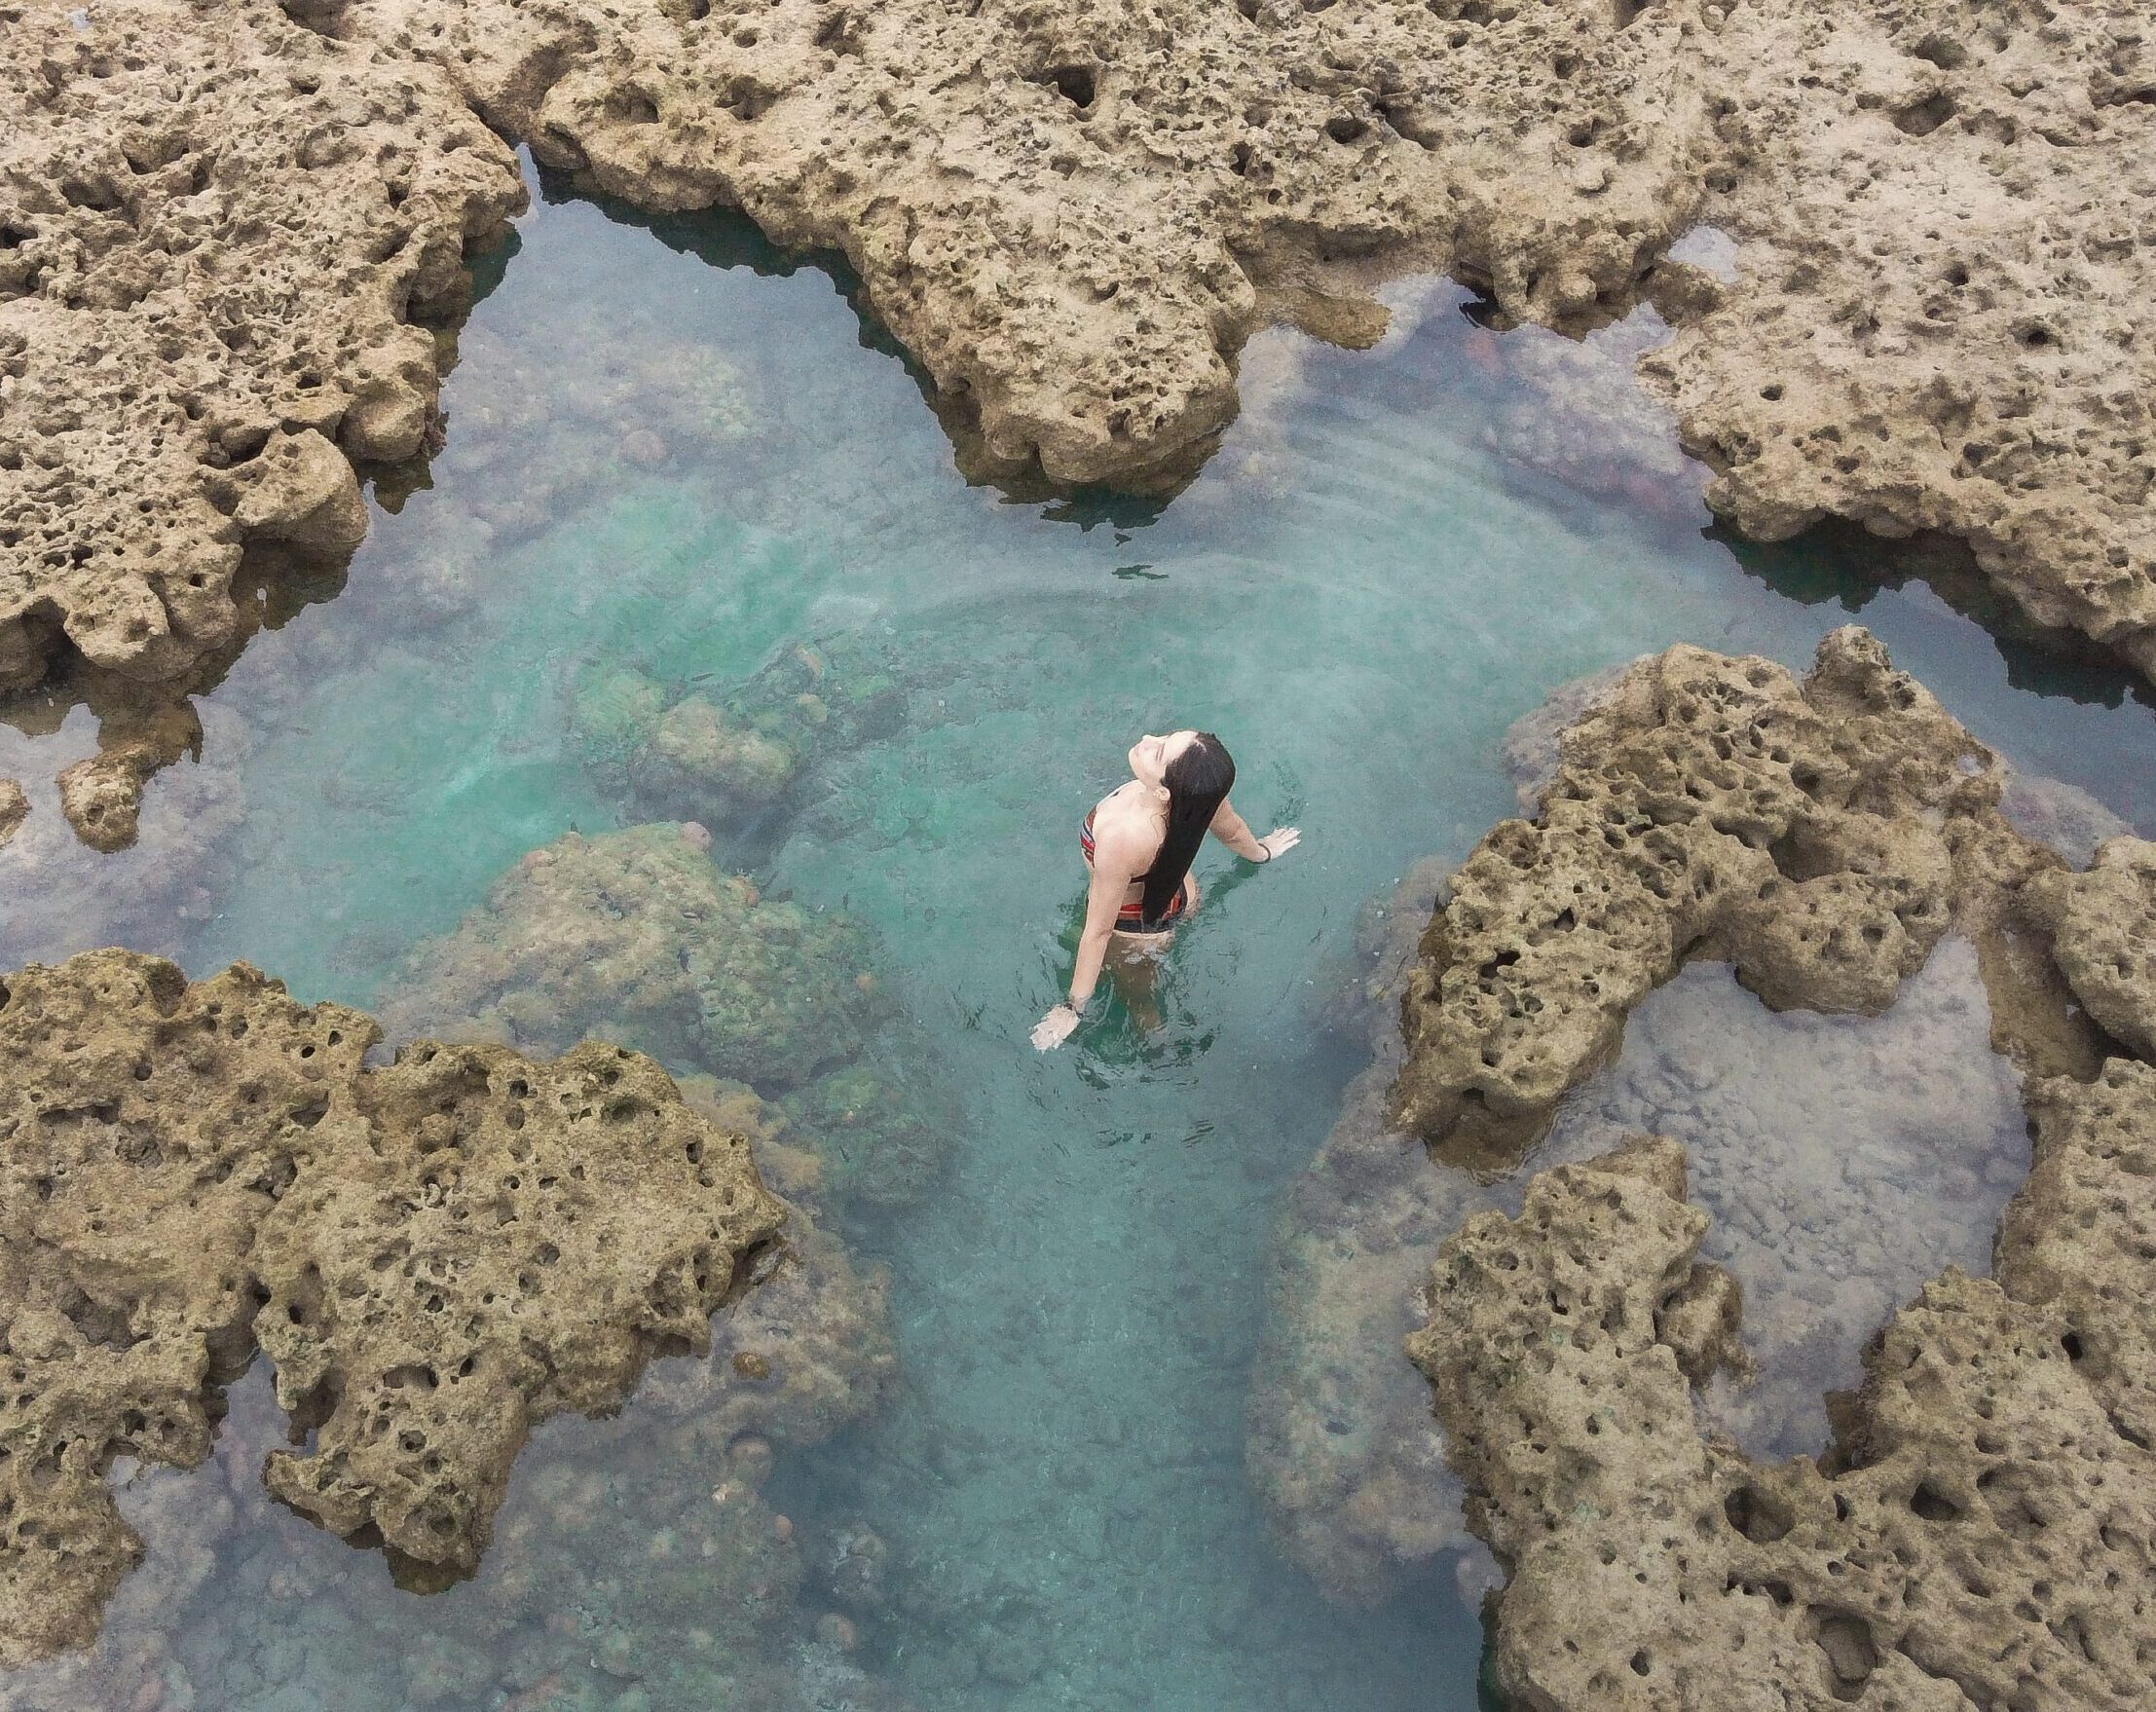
(1280, 840)
(1053, 1030)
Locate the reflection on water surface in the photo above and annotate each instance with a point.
(676, 464)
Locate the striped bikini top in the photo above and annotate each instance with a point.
(1085, 844)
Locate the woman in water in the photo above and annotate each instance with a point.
(1139, 840)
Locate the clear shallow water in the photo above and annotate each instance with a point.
(1359, 594)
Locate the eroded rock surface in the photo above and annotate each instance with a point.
(1927, 308)
(1816, 835)
(1844, 1159)
(215, 231)
(1075, 217)
(2103, 923)
(15, 809)
(451, 1248)
(1982, 1529)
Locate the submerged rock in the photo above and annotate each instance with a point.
(727, 756)
(2103, 923)
(637, 933)
(442, 1252)
(1981, 1530)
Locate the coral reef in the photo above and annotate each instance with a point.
(1981, 1531)
(1818, 837)
(444, 1251)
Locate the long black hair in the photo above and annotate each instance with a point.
(1198, 782)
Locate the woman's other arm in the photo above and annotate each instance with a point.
(1233, 831)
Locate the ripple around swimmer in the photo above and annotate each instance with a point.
(1359, 594)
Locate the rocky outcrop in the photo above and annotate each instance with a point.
(1819, 837)
(15, 809)
(220, 220)
(1981, 1530)
(1074, 218)
(1843, 1161)
(2103, 923)
(216, 230)
(437, 1255)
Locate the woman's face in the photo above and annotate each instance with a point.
(1150, 756)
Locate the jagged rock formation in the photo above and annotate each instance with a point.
(217, 223)
(1819, 1202)
(14, 808)
(1074, 218)
(1982, 1532)
(437, 1255)
(215, 231)
(2104, 926)
(1819, 837)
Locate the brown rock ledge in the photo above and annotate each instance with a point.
(1815, 1201)
(215, 232)
(1818, 836)
(215, 224)
(436, 1255)
(1982, 1532)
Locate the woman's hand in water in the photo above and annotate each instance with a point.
(1280, 840)
(1053, 1030)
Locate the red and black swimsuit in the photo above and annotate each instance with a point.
(1130, 917)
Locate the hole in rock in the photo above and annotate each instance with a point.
(1076, 84)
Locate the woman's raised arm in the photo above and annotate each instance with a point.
(1233, 831)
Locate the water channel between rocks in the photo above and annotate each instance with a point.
(672, 453)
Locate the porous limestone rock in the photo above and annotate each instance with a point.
(101, 794)
(216, 229)
(1982, 1532)
(1707, 807)
(1845, 1161)
(1074, 217)
(145, 1128)
(487, 1242)
(450, 1248)
(637, 933)
(2103, 927)
(1930, 312)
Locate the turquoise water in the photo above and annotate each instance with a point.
(670, 452)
